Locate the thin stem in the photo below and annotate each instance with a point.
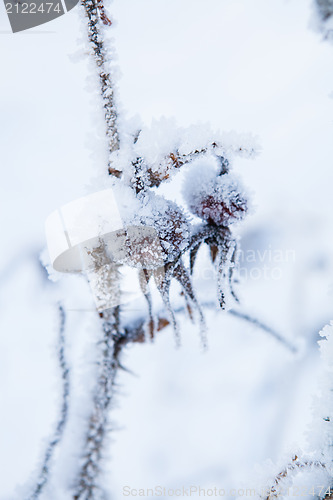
(86, 485)
(290, 470)
(246, 317)
(44, 473)
(135, 330)
(95, 35)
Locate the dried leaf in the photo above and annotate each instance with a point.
(115, 172)
(162, 323)
(213, 252)
(189, 310)
(102, 14)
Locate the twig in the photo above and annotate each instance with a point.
(44, 473)
(135, 330)
(295, 465)
(93, 12)
(254, 321)
(86, 486)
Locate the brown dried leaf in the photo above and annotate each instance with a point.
(190, 312)
(162, 323)
(102, 14)
(115, 172)
(140, 338)
(213, 252)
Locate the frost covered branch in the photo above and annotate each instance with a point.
(87, 486)
(86, 483)
(161, 170)
(135, 330)
(289, 471)
(45, 469)
(96, 18)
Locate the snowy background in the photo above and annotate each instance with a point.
(185, 417)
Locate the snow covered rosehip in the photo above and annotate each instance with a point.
(172, 227)
(169, 223)
(156, 238)
(217, 199)
(157, 230)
